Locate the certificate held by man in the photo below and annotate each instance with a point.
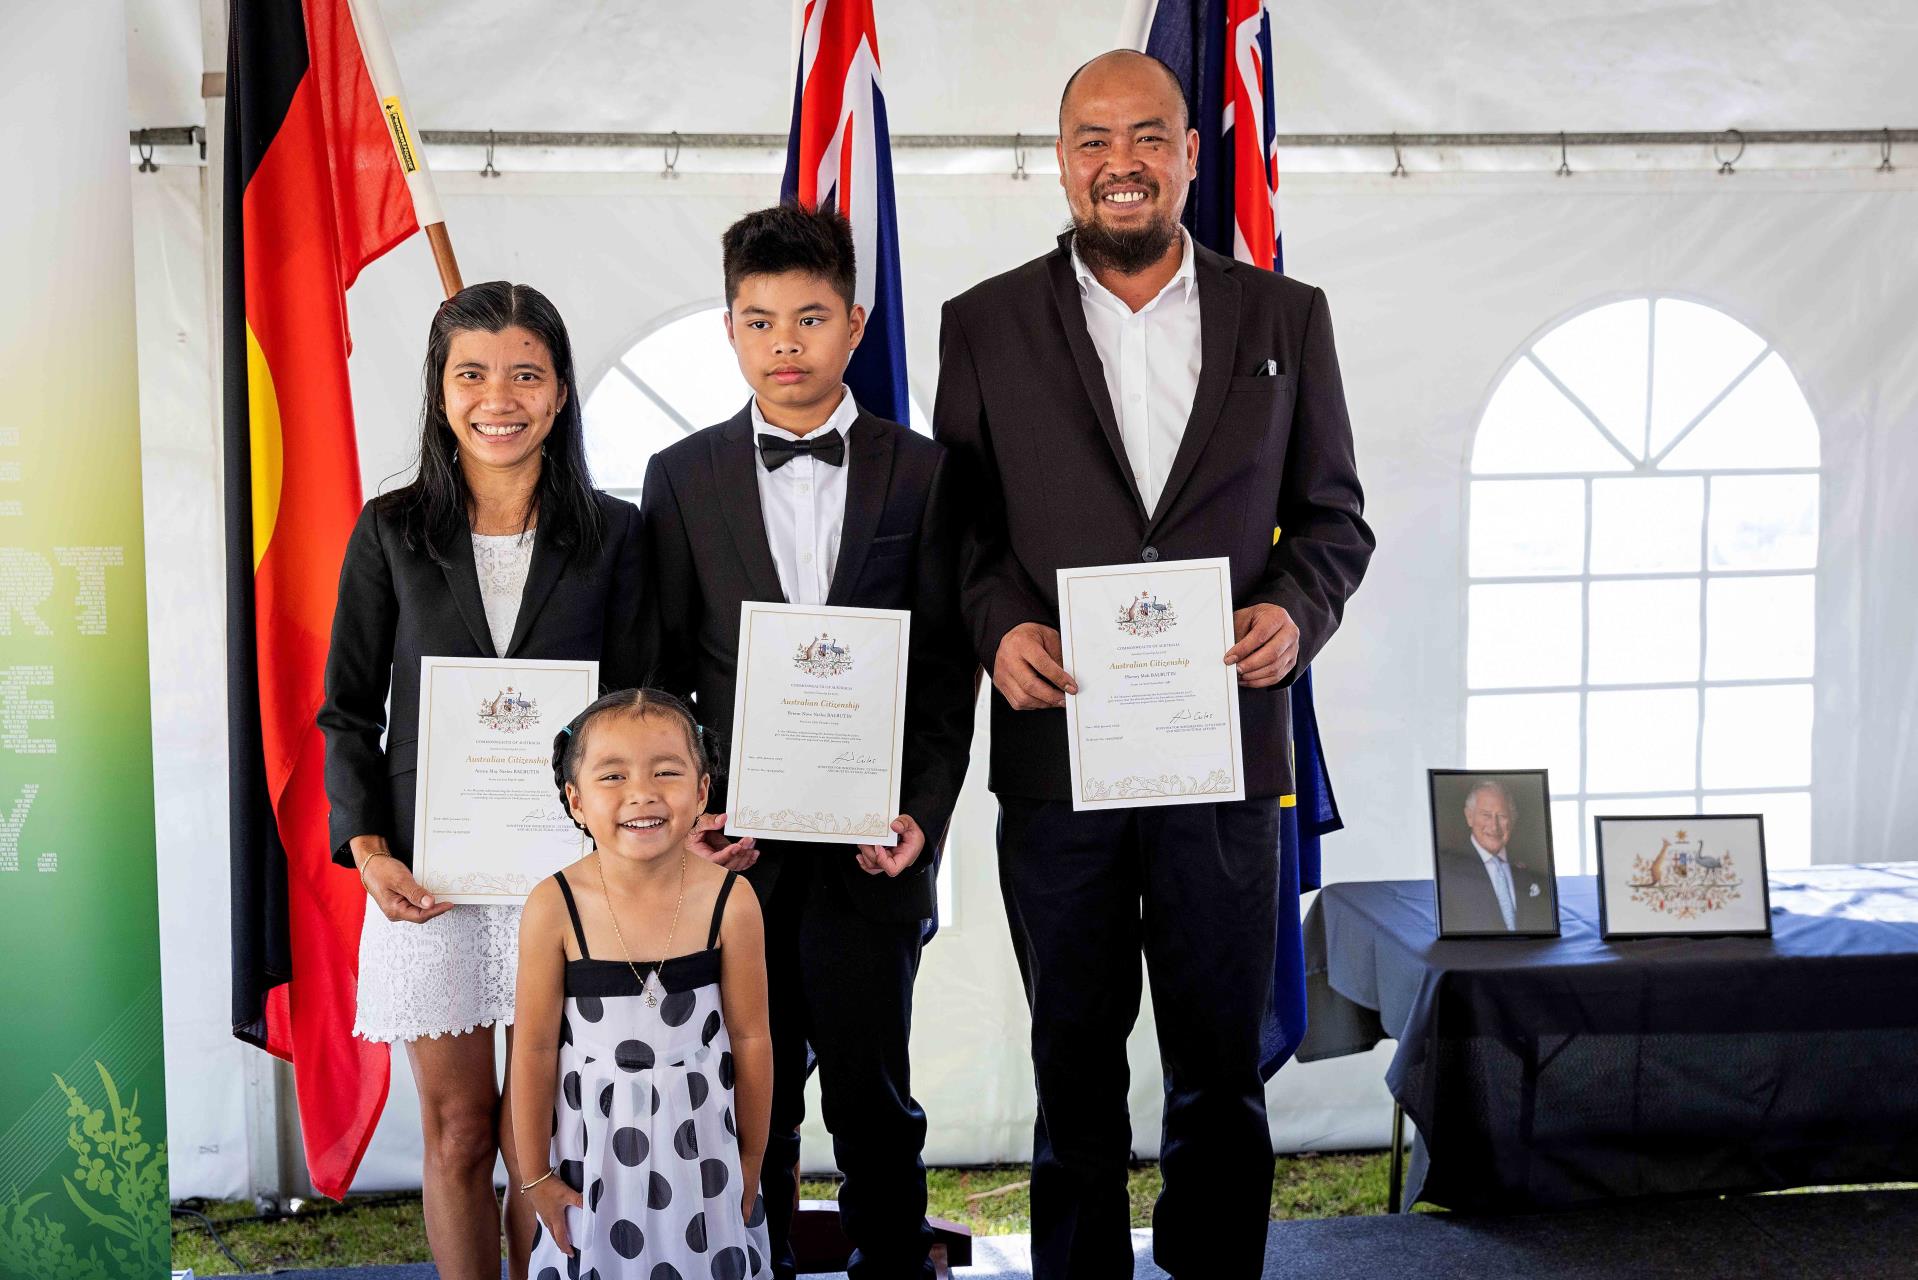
(488, 824)
(1156, 716)
(819, 723)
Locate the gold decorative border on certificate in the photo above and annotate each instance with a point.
(1232, 729)
(821, 823)
(818, 822)
(1135, 787)
(493, 884)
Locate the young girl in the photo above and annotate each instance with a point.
(642, 1053)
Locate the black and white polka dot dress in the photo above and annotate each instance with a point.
(643, 1124)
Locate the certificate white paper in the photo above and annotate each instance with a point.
(819, 723)
(488, 824)
(1156, 718)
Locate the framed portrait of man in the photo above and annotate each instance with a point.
(1664, 877)
(1492, 868)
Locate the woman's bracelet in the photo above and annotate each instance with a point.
(524, 1187)
(369, 862)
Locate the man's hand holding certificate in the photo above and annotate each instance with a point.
(819, 713)
(1152, 711)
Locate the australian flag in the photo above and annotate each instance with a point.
(1221, 50)
(839, 156)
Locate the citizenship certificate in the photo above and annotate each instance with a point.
(819, 723)
(488, 823)
(1156, 718)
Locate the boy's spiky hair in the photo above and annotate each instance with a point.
(786, 238)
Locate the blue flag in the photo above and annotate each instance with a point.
(1233, 210)
(839, 156)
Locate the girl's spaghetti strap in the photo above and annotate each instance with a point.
(719, 909)
(572, 909)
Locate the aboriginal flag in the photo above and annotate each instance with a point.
(314, 191)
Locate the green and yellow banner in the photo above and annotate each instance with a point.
(83, 1185)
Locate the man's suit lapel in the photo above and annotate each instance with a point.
(869, 453)
(735, 465)
(462, 579)
(542, 575)
(1218, 339)
(1072, 318)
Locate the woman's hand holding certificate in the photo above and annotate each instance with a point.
(819, 723)
(486, 827)
(1155, 716)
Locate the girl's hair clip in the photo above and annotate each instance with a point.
(699, 728)
(567, 730)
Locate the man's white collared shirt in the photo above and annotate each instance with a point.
(1499, 869)
(1151, 359)
(803, 505)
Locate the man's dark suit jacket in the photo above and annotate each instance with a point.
(707, 553)
(1468, 902)
(1024, 408)
(396, 606)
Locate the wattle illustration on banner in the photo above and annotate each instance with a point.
(83, 1167)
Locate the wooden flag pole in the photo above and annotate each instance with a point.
(443, 257)
(384, 70)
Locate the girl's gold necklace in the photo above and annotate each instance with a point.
(645, 981)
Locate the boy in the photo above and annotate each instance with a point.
(804, 498)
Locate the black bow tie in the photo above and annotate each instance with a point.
(777, 451)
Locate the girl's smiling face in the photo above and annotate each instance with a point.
(639, 786)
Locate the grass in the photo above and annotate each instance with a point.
(991, 1201)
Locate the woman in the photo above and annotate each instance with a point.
(500, 547)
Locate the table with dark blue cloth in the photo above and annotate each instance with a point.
(1544, 1072)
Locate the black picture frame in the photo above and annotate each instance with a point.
(1676, 821)
(1447, 791)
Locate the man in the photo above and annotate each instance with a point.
(1133, 397)
(1487, 888)
(804, 497)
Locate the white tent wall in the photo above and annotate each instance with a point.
(1435, 282)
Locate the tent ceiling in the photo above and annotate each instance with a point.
(996, 65)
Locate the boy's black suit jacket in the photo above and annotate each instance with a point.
(1264, 475)
(706, 552)
(397, 605)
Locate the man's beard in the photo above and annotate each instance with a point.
(1127, 252)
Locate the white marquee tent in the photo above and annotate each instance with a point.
(1765, 656)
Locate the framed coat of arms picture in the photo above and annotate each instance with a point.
(1693, 875)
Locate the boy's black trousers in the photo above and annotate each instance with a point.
(841, 982)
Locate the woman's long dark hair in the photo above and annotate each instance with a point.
(435, 508)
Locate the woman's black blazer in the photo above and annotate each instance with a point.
(397, 605)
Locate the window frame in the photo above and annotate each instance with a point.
(1580, 794)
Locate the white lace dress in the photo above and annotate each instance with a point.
(454, 973)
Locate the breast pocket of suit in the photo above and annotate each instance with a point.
(888, 568)
(1261, 406)
(893, 544)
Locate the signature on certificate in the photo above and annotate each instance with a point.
(854, 757)
(1193, 716)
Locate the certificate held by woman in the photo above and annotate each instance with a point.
(486, 827)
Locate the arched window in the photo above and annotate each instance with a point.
(1642, 556)
(678, 377)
